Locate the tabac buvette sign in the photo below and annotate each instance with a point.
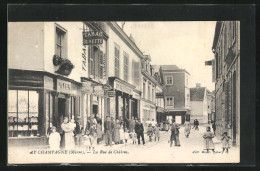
(92, 38)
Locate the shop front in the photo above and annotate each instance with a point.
(179, 116)
(37, 101)
(94, 103)
(148, 111)
(124, 103)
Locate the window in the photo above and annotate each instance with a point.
(169, 81)
(60, 47)
(136, 73)
(117, 60)
(144, 89)
(22, 113)
(153, 95)
(126, 64)
(149, 92)
(169, 101)
(96, 62)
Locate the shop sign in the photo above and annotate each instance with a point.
(87, 88)
(63, 86)
(48, 83)
(92, 38)
(136, 95)
(122, 88)
(111, 93)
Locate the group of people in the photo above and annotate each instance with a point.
(69, 136)
(115, 133)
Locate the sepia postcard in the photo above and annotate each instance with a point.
(123, 92)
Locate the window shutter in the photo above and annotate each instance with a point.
(104, 65)
(213, 70)
(101, 66)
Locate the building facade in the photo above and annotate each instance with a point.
(176, 92)
(226, 75)
(124, 74)
(199, 106)
(148, 101)
(160, 111)
(45, 70)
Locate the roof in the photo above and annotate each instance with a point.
(216, 36)
(169, 67)
(197, 94)
(173, 68)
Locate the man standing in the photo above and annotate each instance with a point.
(139, 129)
(175, 133)
(108, 131)
(112, 127)
(131, 123)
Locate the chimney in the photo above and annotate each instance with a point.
(197, 85)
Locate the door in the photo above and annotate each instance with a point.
(61, 109)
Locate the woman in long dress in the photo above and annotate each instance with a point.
(116, 132)
(68, 129)
(187, 128)
(99, 133)
(208, 143)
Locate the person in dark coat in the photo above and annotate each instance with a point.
(98, 119)
(175, 133)
(139, 129)
(131, 123)
(214, 127)
(108, 131)
(78, 132)
(113, 124)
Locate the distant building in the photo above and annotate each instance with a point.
(199, 105)
(160, 112)
(176, 92)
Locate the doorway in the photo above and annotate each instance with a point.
(61, 109)
(95, 110)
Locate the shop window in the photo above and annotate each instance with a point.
(22, 113)
(126, 65)
(61, 40)
(117, 61)
(169, 81)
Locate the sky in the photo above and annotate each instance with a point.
(186, 44)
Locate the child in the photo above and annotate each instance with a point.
(134, 136)
(121, 133)
(54, 139)
(225, 142)
(208, 143)
(126, 136)
(87, 140)
(157, 132)
(150, 132)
